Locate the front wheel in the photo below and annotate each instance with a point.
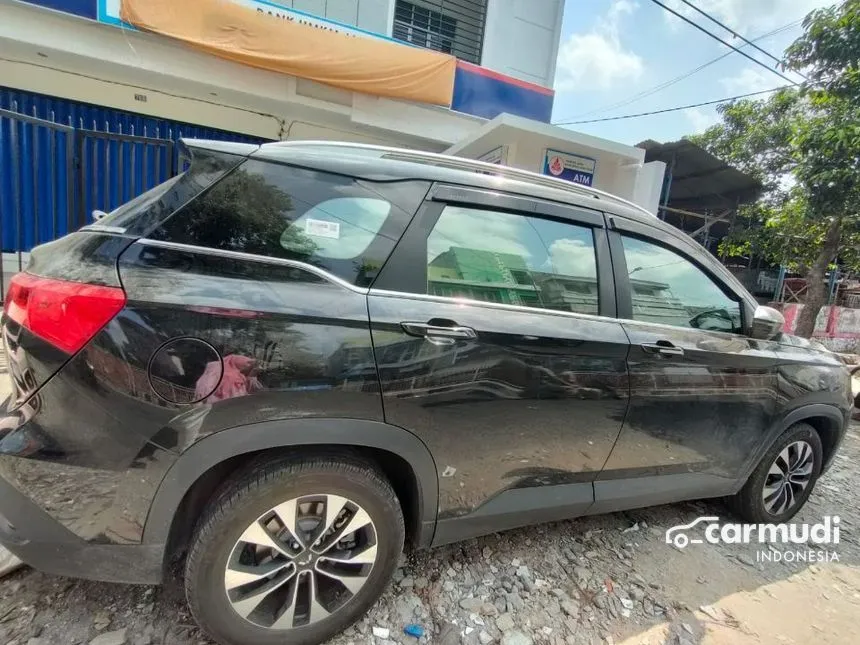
(784, 478)
(294, 553)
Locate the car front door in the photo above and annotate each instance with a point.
(702, 393)
(496, 344)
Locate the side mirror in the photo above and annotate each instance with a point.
(767, 323)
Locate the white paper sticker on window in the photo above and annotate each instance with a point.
(321, 228)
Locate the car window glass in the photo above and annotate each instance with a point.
(143, 213)
(667, 288)
(344, 225)
(341, 228)
(512, 259)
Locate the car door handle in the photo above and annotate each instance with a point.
(663, 348)
(440, 332)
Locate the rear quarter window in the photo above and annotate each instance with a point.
(344, 225)
(140, 215)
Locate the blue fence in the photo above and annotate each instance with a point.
(36, 181)
(60, 160)
(116, 167)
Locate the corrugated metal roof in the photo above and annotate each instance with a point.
(701, 181)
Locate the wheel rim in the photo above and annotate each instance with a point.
(301, 561)
(789, 475)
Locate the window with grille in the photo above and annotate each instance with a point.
(452, 26)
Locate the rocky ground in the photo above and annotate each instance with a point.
(608, 579)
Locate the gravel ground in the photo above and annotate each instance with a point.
(607, 579)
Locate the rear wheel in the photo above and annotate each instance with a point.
(294, 553)
(782, 482)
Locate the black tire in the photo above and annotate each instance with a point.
(242, 502)
(749, 503)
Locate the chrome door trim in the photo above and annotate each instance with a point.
(253, 257)
(384, 293)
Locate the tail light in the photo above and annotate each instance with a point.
(65, 314)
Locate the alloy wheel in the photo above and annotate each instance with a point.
(301, 561)
(788, 477)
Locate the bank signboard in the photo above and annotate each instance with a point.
(572, 167)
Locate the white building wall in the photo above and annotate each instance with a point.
(649, 184)
(376, 16)
(521, 38)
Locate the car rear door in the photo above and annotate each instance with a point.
(495, 341)
(702, 393)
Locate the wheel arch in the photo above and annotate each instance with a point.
(828, 421)
(215, 457)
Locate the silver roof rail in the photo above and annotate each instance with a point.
(469, 165)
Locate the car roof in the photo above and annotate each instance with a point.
(382, 163)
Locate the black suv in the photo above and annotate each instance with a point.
(293, 360)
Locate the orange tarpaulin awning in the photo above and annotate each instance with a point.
(241, 34)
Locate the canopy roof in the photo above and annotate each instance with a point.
(700, 182)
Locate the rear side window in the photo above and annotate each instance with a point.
(344, 225)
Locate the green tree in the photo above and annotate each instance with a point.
(804, 146)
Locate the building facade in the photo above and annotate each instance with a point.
(467, 77)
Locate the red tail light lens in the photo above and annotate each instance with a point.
(66, 314)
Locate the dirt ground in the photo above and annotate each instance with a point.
(606, 579)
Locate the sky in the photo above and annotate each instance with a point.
(612, 52)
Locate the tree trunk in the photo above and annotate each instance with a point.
(816, 293)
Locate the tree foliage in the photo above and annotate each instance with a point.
(829, 50)
(803, 145)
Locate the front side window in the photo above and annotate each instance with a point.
(500, 257)
(667, 288)
(344, 225)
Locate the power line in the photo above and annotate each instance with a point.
(778, 61)
(727, 44)
(657, 88)
(674, 109)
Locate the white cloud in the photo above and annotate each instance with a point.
(748, 80)
(542, 245)
(479, 230)
(700, 120)
(597, 59)
(744, 16)
(572, 257)
(619, 9)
